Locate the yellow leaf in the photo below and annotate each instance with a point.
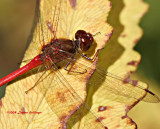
(119, 58)
(58, 94)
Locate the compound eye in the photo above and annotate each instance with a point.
(90, 37)
(80, 33)
(84, 43)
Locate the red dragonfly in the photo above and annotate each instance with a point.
(63, 52)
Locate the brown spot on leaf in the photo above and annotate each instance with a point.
(136, 40)
(123, 35)
(103, 108)
(126, 80)
(134, 82)
(123, 117)
(61, 97)
(130, 121)
(110, 4)
(109, 35)
(99, 119)
(106, 127)
(73, 3)
(133, 63)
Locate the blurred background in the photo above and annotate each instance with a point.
(144, 114)
(16, 19)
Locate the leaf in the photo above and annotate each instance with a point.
(54, 100)
(148, 109)
(119, 58)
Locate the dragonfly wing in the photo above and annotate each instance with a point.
(126, 87)
(65, 93)
(49, 18)
(119, 86)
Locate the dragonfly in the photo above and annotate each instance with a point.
(70, 55)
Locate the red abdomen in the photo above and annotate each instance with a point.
(32, 64)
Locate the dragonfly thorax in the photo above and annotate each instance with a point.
(60, 49)
(57, 50)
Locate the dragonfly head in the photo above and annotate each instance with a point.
(83, 40)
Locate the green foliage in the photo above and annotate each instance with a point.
(149, 45)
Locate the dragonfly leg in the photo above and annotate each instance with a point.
(69, 70)
(91, 59)
(35, 83)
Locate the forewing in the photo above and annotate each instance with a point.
(69, 85)
(118, 85)
(64, 98)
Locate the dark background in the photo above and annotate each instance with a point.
(16, 19)
(149, 45)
